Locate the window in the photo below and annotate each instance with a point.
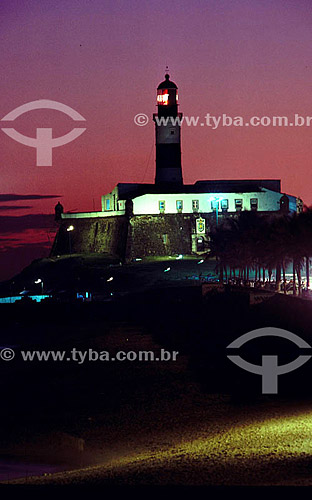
(161, 205)
(200, 244)
(107, 204)
(215, 205)
(238, 205)
(195, 205)
(179, 205)
(224, 205)
(121, 204)
(254, 204)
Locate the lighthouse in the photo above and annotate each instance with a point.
(168, 135)
(167, 218)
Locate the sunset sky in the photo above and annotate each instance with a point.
(105, 58)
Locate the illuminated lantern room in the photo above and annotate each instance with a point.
(167, 93)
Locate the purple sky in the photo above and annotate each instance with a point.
(105, 60)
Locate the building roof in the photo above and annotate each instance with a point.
(129, 190)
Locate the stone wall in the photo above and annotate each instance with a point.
(152, 235)
(92, 235)
(129, 237)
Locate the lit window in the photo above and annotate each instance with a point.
(163, 97)
(254, 204)
(200, 244)
(215, 205)
(195, 205)
(179, 205)
(161, 206)
(107, 204)
(238, 205)
(224, 205)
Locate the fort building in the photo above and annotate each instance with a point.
(168, 217)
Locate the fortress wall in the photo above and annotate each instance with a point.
(131, 237)
(151, 235)
(92, 235)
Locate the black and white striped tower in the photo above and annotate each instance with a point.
(168, 135)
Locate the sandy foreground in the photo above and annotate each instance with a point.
(218, 445)
(274, 449)
(182, 436)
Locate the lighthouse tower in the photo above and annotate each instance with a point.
(168, 135)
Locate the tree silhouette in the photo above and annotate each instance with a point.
(262, 243)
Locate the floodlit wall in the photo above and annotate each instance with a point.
(267, 201)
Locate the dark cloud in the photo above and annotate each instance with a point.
(17, 197)
(26, 246)
(14, 207)
(13, 224)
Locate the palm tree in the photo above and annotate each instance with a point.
(266, 242)
(305, 239)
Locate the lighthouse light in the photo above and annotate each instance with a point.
(163, 98)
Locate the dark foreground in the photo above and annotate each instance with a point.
(197, 421)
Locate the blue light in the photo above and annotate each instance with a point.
(11, 300)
